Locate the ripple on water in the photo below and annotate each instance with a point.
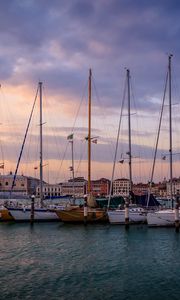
(53, 261)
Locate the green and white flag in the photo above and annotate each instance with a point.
(70, 137)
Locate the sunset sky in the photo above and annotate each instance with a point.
(56, 42)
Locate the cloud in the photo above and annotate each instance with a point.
(58, 41)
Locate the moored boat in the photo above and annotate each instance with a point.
(130, 213)
(35, 212)
(89, 213)
(116, 201)
(136, 215)
(40, 214)
(5, 214)
(167, 217)
(161, 218)
(76, 215)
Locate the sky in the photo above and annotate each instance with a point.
(57, 42)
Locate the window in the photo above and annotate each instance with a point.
(6, 183)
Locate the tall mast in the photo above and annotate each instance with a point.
(41, 146)
(129, 153)
(170, 128)
(129, 132)
(72, 149)
(89, 133)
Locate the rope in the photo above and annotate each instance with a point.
(20, 155)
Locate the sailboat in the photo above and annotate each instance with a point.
(89, 213)
(4, 214)
(166, 217)
(131, 213)
(40, 213)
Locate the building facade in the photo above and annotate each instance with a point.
(175, 187)
(23, 185)
(121, 187)
(49, 190)
(100, 187)
(140, 188)
(76, 187)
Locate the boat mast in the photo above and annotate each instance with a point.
(170, 129)
(72, 150)
(89, 133)
(128, 199)
(41, 146)
(157, 140)
(129, 134)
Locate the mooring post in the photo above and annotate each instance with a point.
(85, 210)
(32, 209)
(127, 213)
(177, 213)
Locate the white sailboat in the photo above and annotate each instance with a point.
(167, 217)
(24, 213)
(131, 213)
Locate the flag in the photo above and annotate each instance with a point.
(128, 153)
(94, 141)
(1, 166)
(70, 137)
(86, 138)
(164, 157)
(71, 168)
(121, 161)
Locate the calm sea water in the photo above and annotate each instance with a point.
(56, 261)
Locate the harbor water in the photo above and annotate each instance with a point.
(59, 261)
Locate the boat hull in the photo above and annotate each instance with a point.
(24, 215)
(5, 215)
(164, 218)
(77, 216)
(118, 217)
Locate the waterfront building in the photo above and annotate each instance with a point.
(121, 187)
(175, 186)
(100, 187)
(140, 188)
(162, 191)
(24, 185)
(50, 190)
(157, 189)
(76, 187)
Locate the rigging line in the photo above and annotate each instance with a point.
(82, 99)
(104, 116)
(80, 160)
(159, 129)
(27, 150)
(117, 140)
(46, 135)
(72, 130)
(137, 140)
(62, 160)
(20, 155)
(2, 152)
(53, 130)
